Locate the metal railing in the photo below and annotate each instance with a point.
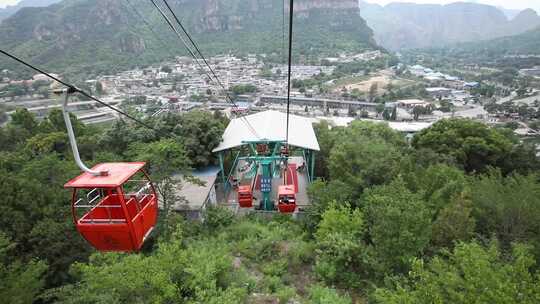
(88, 203)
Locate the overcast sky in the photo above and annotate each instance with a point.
(7, 2)
(517, 4)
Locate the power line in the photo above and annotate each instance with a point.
(227, 96)
(291, 12)
(194, 44)
(73, 89)
(147, 24)
(176, 32)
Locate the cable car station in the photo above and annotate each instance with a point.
(266, 170)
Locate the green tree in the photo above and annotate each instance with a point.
(322, 194)
(243, 89)
(454, 223)
(21, 283)
(340, 250)
(508, 207)
(438, 184)
(35, 214)
(469, 274)
(474, 145)
(22, 118)
(327, 138)
(201, 134)
(323, 295)
(366, 154)
(200, 273)
(399, 224)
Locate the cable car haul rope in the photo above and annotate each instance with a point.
(115, 205)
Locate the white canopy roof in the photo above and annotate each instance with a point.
(270, 126)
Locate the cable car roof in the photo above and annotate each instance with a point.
(119, 173)
(270, 126)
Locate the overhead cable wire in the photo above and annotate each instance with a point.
(150, 28)
(227, 96)
(175, 31)
(194, 44)
(72, 88)
(197, 49)
(291, 12)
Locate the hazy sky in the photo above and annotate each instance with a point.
(518, 4)
(515, 4)
(7, 2)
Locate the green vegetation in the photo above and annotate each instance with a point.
(453, 217)
(470, 273)
(243, 89)
(119, 39)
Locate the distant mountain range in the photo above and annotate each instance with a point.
(98, 36)
(408, 25)
(12, 9)
(527, 43)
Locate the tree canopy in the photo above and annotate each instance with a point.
(451, 218)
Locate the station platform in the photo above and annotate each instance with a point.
(244, 177)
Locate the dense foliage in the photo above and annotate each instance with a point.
(448, 219)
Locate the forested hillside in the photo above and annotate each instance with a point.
(86, 37)
(400, 26)
(524, 44)
(12, 9)
(507, 53)
(454, 217)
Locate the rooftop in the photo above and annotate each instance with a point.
(118, 174)
(269, 126)
(411, 101)
(194, 195)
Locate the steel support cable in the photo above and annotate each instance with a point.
(177, 33)
(74, 89)
(291, 11)
(191, 52)
(216, 78)
(147, 24)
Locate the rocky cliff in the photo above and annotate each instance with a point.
(96, 33)
(407, 25)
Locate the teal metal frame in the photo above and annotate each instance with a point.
(270, 165)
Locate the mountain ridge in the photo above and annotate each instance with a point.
(409, 25)
(103, 31)
(12, 9)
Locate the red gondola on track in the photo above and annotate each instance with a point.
(286, 199)
(117, 211)
(245, 196)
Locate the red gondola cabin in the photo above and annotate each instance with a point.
(115, 212)
(286, 199)
(245, 196)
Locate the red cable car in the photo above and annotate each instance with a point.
(117, 211)
(114, 205)
(286, 199)
(245, 196)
